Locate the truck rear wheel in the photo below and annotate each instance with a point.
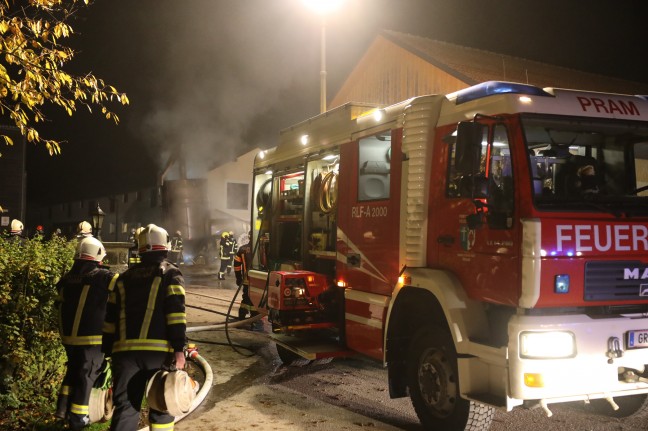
(434, 385)
(291, 359)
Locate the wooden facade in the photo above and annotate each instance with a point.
(398, 66)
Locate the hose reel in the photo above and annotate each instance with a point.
(172, 392)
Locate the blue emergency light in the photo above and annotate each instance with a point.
(491, 88)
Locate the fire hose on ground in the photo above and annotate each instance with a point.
(204, 389)
(101, 407)
(195, 356)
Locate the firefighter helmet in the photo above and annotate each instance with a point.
(153, 238)
(90, 248)
(16, 226)
(225, 234)
(85, 228)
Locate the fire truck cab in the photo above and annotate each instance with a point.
(489, 247)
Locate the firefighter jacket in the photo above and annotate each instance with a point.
(146, 309)
(242, 261)
(82, 297)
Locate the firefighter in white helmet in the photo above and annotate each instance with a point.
(233, 249)
(145, 329)
(82, 294)
(16, 231)
(84, 230)
(242, 264)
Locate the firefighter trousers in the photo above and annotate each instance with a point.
(225, 265)
(131, 371)
(83, 368)
(246, 305)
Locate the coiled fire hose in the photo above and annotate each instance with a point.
(324, 189)
(328, 195)
(203, 391)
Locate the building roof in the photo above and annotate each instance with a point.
(475, 65)
(398, 66)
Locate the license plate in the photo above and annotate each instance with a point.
(637, 339)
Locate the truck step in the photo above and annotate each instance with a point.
(312, 348)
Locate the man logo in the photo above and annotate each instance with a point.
(643, 290)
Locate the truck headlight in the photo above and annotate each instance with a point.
(547, 345)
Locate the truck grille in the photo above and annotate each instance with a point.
(615, 281)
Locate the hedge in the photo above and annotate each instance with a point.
(32, 359)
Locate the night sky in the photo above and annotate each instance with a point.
(220, 76)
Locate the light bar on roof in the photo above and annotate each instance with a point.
(491, 88)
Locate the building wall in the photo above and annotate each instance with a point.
(229, 192)
(123, 212)
(388, 74)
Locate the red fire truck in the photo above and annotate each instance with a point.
(489, 246)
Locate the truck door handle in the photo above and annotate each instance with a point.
(445, 239)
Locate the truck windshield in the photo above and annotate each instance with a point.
(588, 164)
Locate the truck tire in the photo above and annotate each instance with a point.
(628, 406)
(291, 359)
(434, 385)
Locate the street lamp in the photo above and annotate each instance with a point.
(97, 220)
(323, 8)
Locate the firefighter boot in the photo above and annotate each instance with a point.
(242, 313)
(61, 406)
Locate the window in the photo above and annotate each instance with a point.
(500, 172)
(237, 196)
(374, 167)
(460, 185)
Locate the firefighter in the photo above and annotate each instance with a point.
(40, 232)
(84, 230)
(133, 256)
(176, 248)
(233, 247)
(145, 329)
(82, 297)
(16, 230)
(242, 261)
(225, 254)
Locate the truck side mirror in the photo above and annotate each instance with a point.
(468, 147)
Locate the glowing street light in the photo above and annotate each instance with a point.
(323, 8)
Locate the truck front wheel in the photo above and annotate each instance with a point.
(628, 406)
(434, 385)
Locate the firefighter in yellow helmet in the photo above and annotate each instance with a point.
(145, 329)
(82, 295)
(225, 254)
(133, 252)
